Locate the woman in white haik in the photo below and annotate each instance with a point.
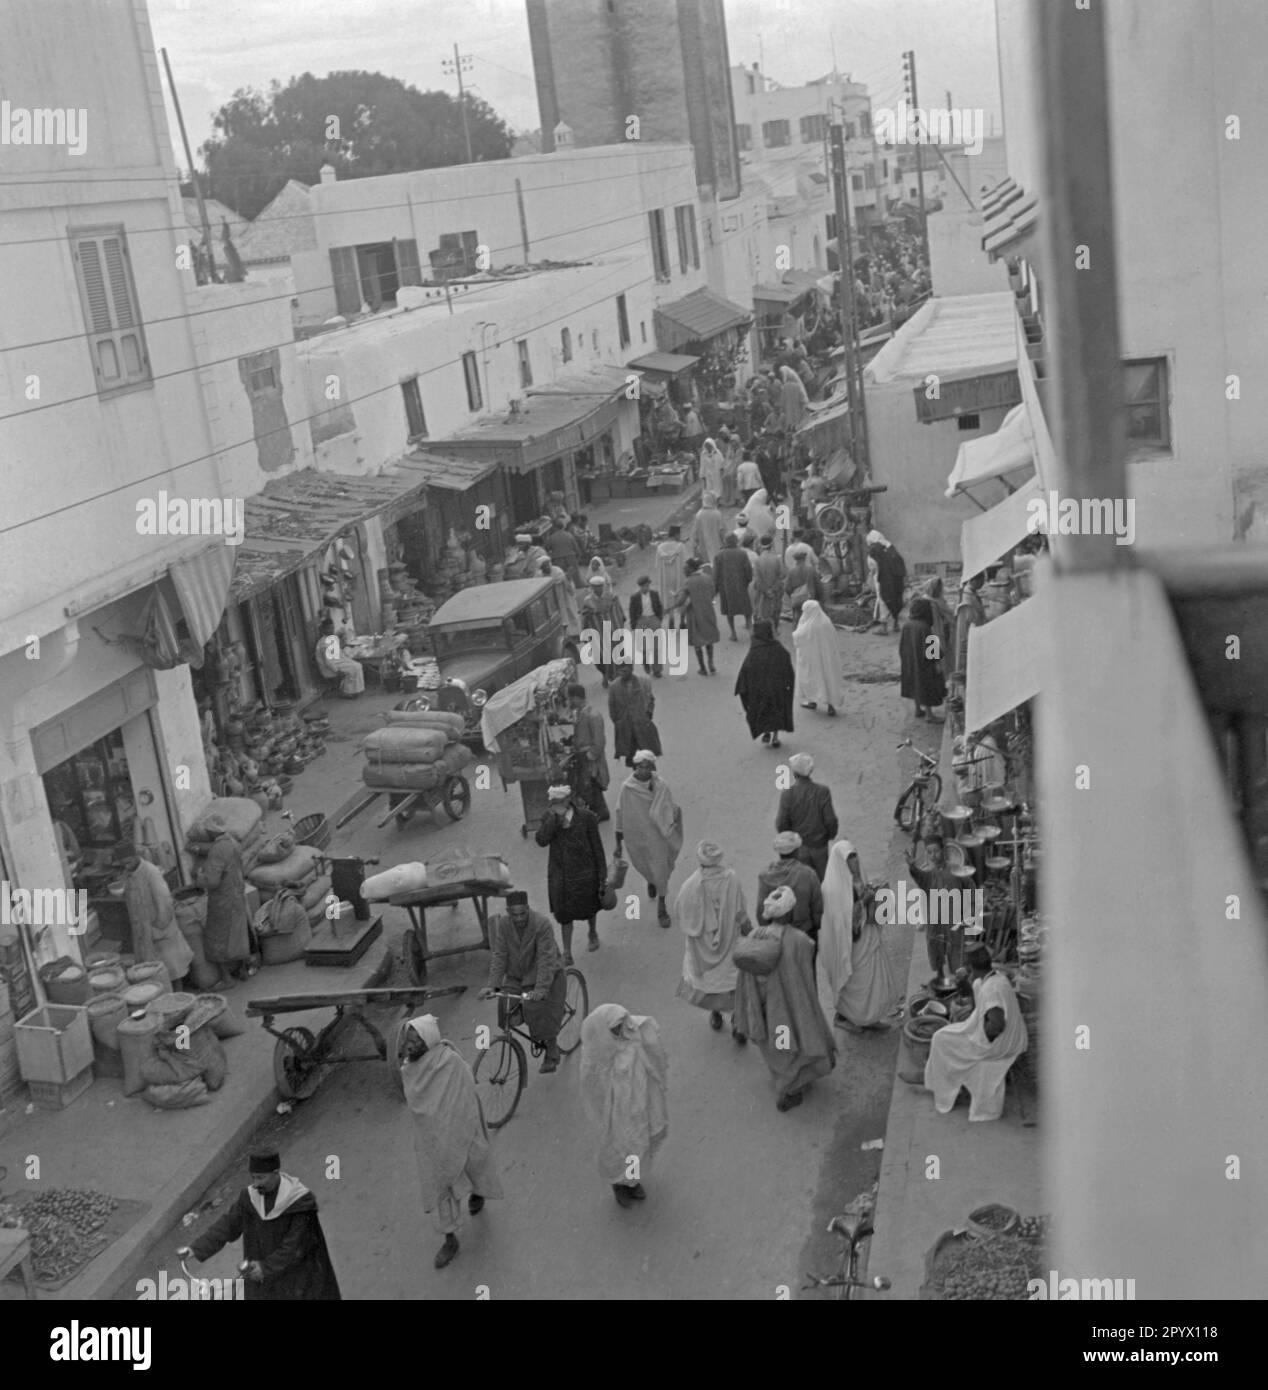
(819, 680)
(857, 966)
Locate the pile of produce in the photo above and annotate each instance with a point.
(996, 1269)
(63, 1223)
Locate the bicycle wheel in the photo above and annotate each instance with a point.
(500, 1072)
(576, 1007)
(296, 1073)
(907, 811)
(933, 790)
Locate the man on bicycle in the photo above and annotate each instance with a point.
(526, 957)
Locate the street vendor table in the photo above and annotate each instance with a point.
(373, 657)
(417, 950)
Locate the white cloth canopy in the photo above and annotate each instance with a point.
(960, 1055)
(514, 701)
(1010, 448)
(818, 663)
(984, 538)
(1003, 664)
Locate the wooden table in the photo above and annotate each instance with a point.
(15, 1253)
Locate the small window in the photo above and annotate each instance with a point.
(594, 341)
(856, 182)
(622, 321)
(471, 374)
(265, 379)
(693, 237)
(885, 168)
(744, 136)
(660, 246)
(680, 227)
(642, 328)
(565, 344)
(415, 420)
(869, 176)
(776, 133)
(112, 312)
(865, 124)
(968, 422)
(526, 367)
(1147, 401)
(814, 129)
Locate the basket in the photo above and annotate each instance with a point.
(314, 830)
(1003, 1221)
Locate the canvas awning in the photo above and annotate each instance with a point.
(828, 427)
(776, 294)
(1003, 664)
(1011, 230)
(983, 539)
(294, 518)
(202, 584)
(1010, 448)
(1006, 191)
(696, 318)
(663, 364)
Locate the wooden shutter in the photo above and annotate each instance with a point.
(695, 242)
(407, 268)
(111, 311)
(347, 283)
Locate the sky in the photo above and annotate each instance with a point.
(215, 48)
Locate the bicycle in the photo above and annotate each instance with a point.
(501, 1069)
(921, 795)
(853, 1229)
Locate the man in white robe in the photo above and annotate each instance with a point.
(978, 1053)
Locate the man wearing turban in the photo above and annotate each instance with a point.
(649, 821)
(806, 809)
(451, 1140)
(226, 939)
(275, 1217)
(577, 868)
(713, 915)
(788, 871)
(780, 1011)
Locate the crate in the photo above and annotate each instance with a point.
(53, 1095)
(54, 1043)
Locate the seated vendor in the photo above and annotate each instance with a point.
(525, 563)
(977, 1053)
(525, 958)
(332, 663)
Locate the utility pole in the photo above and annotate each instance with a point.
(845, 254)
(909, 84)
(458, 64)
(193, 174)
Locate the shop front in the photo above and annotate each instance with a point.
(717, 332)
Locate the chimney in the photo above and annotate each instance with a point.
(563, 136)
(328, 174)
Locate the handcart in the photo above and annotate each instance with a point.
(477, 891)
(300, 1054)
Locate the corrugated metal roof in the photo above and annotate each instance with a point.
(296, 516)
(960, 335)
(696, 317)
(446, 471)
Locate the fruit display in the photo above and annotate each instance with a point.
(64, 1223)
(997, 1269)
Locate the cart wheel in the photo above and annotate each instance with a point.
(395, 1051)
(415, 960)
(456, 798)
(576, 1009)
(296, 1072)
(500, 1071)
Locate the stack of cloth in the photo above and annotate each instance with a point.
(415, 752)
(244, 819)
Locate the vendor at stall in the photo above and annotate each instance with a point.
(525, 956)
(526, 561)
(332, 663)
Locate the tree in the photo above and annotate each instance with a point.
(363, 123)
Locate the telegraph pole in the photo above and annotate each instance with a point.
(458, 64)
(909, 82)
(193, 174)
(845, 254)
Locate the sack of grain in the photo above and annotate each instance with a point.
(316, 892)
(240, 814)
(447, 722)
(400, 878)
(456, 757)
(403, 777)
(404, 744)
(300, 866)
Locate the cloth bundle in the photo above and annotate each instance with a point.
(400, 878)
(417, 777)
(276, 848)
(465, 866)
(240, 814)
(298, 869)
(405, 744)
(450, 724)
(758, 953)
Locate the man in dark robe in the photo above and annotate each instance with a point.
(789, 871)
(276, 1219)
(524, 956)
(765, 686)
(226, 936)
(631, 705)
(732, 574)
(589, 746)
(944, 932)
(577, 869)
(806, 809)
(891, 574)
(919, 652)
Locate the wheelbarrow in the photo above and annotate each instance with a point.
(444, 895)
(300, 1055)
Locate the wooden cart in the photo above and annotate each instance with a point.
(447, 895)
(300, 1055)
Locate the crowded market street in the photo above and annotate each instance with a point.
(557, 1234)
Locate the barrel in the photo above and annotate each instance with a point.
(105, 1013)
(107, 980)
(136, 1043)
(143, 995)
(917, 1034)
(150, 971)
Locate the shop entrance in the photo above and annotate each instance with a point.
(524, 498)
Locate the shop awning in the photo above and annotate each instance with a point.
(1011, 230)
(544, 427)
(1010, 448)
(983, 539)
(297, 517)
(696, 318)
(995, 198)
(776, 294)
(202, 585)
(1003, 664)
(666, 364)
(450, 474)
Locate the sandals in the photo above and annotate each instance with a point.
(593, 944)
(715, 1021)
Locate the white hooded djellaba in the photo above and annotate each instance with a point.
(819, 678)
(624, 1080)
(961, 1055)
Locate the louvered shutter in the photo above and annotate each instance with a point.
(111, 311)
(343, 271)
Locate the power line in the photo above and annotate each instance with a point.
(278, 429)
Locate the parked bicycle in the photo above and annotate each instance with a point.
(501, 1069)
(853, 1229)
(922, 793)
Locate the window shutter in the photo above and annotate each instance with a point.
(99, 319)
(695, 242)
(407, 268)
(343, 270)
(111, 310)
(117, 272)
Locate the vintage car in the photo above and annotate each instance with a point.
(489, 635)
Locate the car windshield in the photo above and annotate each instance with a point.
(450, 641)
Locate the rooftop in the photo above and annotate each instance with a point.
(958, 335)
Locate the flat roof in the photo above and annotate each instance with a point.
(495, 600)
(949, 337)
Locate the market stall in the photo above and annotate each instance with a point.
(529, 726)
